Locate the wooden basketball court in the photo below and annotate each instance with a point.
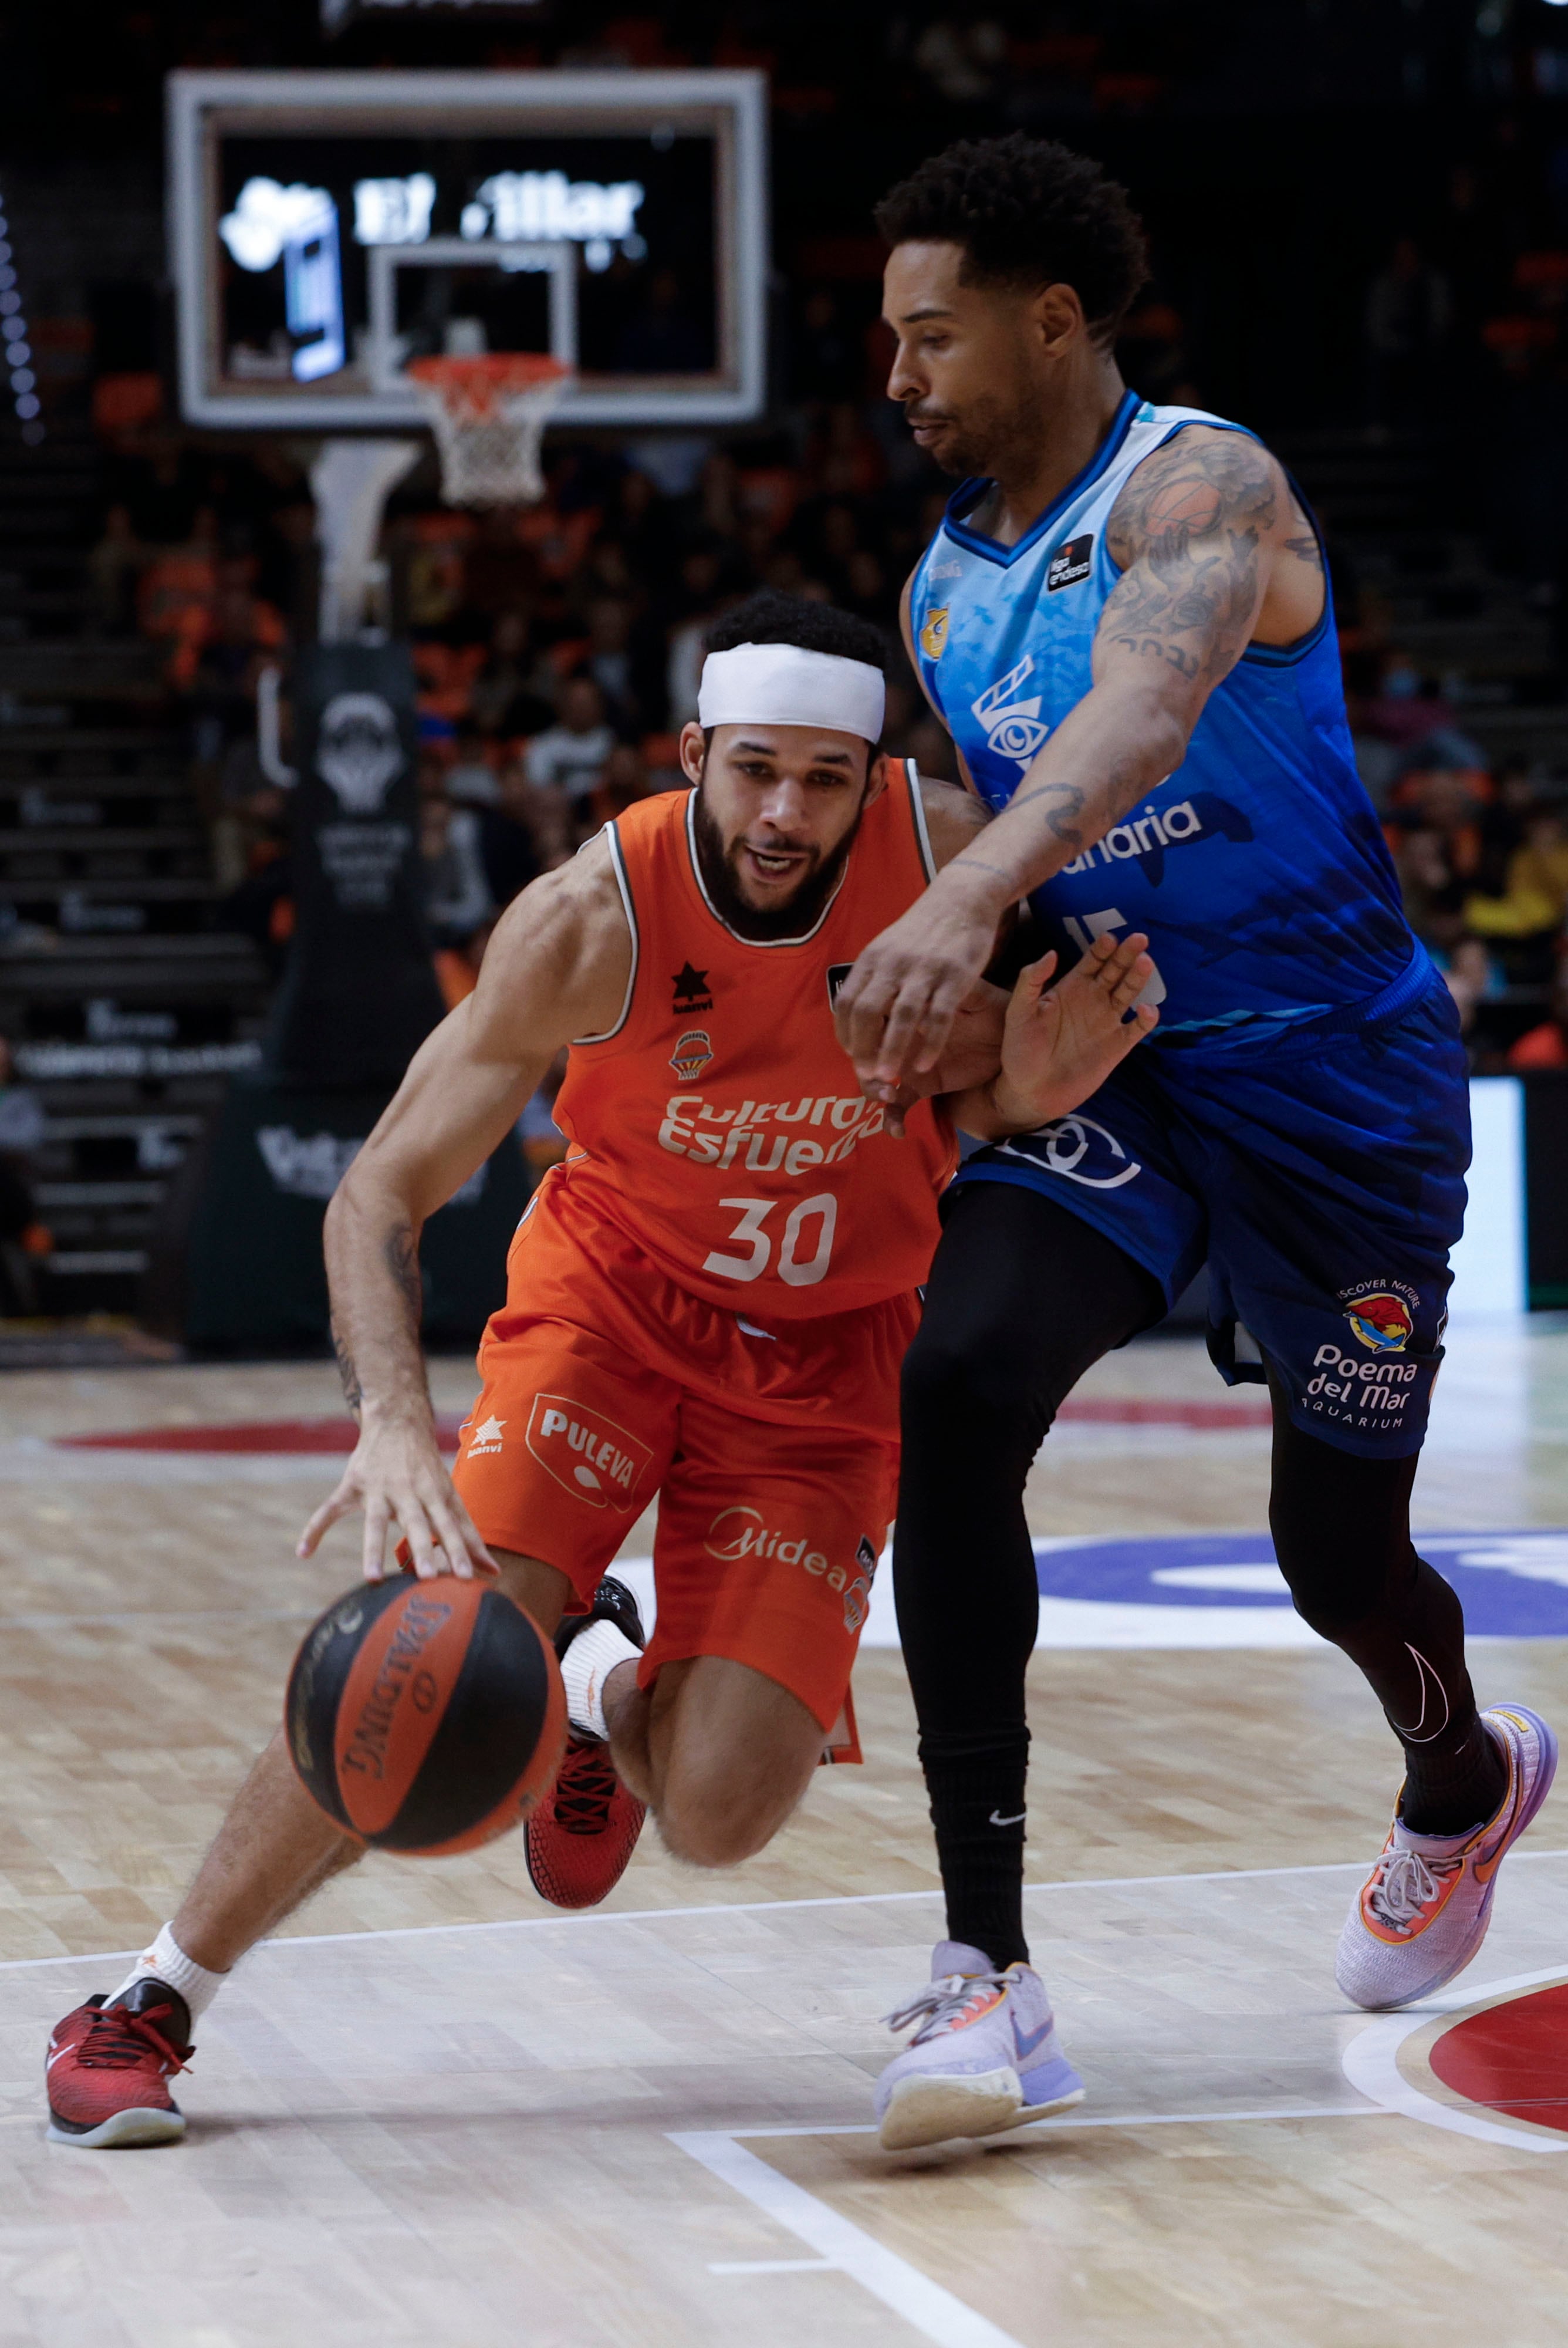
(436, 2111)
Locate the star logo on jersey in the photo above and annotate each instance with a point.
(934, 633)
(1070, 563)
(691, 989)
(485, 1437)
(1012, 724)
(693, 1053)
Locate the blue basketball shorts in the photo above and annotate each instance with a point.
(1322, 1179)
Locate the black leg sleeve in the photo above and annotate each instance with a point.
(1341, 1528)
(1023, 1298)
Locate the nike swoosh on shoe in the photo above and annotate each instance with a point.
(1026, 2040)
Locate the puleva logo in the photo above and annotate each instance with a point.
(587, 1454)
(692, 1052)
(1382, 1321)
(934, 633)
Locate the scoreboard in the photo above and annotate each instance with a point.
(327, 228)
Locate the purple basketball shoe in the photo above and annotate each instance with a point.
(986, 2056)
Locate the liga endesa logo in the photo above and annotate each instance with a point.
(586, 1453)
(1382, 1320)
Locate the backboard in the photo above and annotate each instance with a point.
(326, 228)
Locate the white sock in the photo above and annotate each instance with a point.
(167, 1962)
(585, 1667)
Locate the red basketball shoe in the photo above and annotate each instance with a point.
(581, 1836)
(108, 2067)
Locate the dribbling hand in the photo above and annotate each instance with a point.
(398, 1477)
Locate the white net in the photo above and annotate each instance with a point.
(488, 415)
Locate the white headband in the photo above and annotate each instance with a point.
(781, 685)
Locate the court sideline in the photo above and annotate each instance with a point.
(454, 2116)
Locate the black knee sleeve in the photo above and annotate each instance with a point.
(1022, 1298)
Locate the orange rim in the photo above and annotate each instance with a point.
(478, 383)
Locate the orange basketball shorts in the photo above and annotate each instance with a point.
(775, 1454)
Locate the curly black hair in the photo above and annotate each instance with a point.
(1028, 212)
(769, 618)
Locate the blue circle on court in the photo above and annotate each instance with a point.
(1512, 1585)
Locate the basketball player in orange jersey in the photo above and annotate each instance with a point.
(709, 1299)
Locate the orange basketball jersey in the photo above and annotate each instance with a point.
(717, 1123)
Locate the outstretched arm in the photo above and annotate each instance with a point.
(1060, 1042)
(556, 967)
(1012, 1060)
(1197, 529)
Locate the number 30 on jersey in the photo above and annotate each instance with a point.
(751, 1232)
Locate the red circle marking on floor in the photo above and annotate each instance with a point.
(1138, 1410)
(337, 1435)
(1513, 2058)
(261, 1434)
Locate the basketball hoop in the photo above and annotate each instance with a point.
(488, 415)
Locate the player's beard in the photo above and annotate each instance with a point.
(991, 438)
(768, 925)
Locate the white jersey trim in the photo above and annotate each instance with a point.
(624, 885)
(918, 810)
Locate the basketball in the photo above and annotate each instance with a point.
(425, 1717)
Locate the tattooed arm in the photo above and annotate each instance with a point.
(1214, 551)
(556, 967)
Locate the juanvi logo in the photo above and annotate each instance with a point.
(1013, 727)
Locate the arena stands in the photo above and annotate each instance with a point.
(151, 574)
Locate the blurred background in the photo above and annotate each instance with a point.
(1358, 221)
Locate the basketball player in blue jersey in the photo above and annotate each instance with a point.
(1125, 627)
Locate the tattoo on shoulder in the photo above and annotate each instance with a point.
(1187, 530)
(1305, 550)
(1195, 487)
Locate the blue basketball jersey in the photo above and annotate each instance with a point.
(1257, 868)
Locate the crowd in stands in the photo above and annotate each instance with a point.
(558, 648)
(1481, 857)
(1465, 333)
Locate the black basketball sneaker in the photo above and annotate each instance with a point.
(581, 1836)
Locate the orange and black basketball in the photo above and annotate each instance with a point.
(426, 1716)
